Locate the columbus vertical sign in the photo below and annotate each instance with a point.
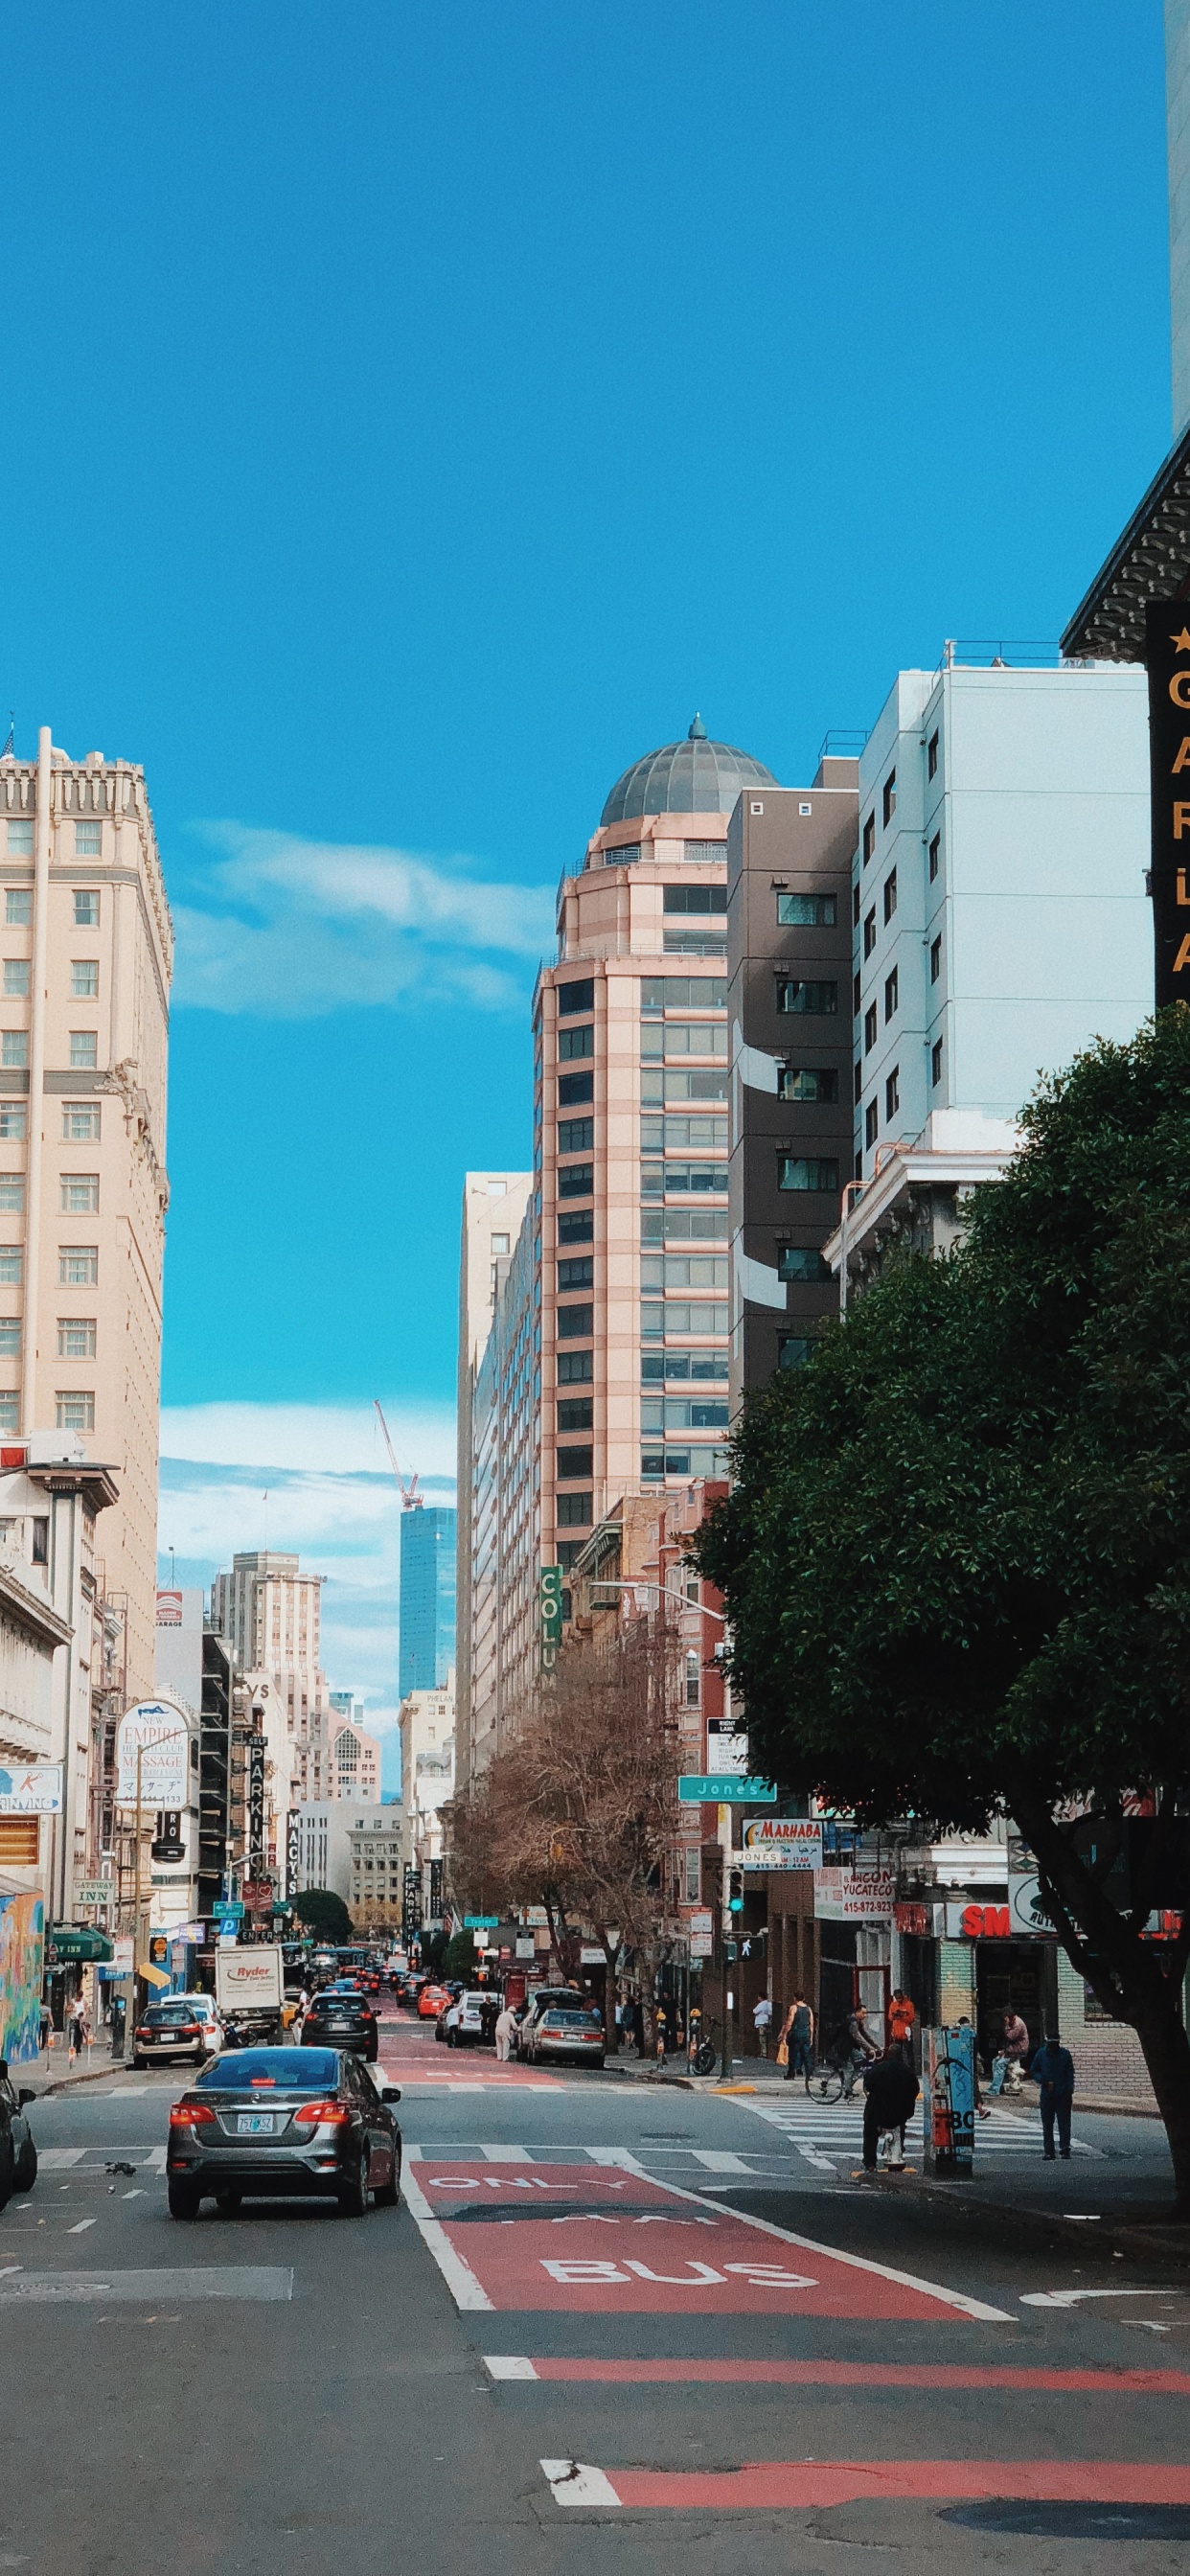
(1167, 655)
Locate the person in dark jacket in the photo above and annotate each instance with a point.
(890, 2087)
(1053, 2070)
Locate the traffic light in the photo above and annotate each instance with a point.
(735, 1894)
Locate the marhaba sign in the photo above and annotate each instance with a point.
(783, 1842)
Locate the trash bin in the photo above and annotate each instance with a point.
(119, 2024)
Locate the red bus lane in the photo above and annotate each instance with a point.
(610, 2241)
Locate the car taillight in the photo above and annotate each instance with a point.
(190, 2115)
(328, 2115)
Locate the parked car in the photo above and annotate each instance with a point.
(572, 2030)
(468, 2020)
(538, 2001)
(175, 2028)
(18, 2155)
(283, 2120)
(341, 2017)
(431, 2001)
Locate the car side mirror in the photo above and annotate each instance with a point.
(26, 2095)
(390, 2093)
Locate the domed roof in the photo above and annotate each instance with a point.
(690, 777)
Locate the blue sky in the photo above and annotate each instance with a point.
(411, 416)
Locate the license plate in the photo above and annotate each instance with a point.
(256, 2124)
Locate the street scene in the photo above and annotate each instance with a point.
(595, 1290)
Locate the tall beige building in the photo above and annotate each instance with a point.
(270, 1614)
(494, 1205)
(86, 956)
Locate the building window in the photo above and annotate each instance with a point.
(576, 1413)
(576, 1135)
(576, 1042)
(693, 1681)
(12, 1118)
(84, 979)
(500, 1245)
(935, 959)
(892, 1092)
(16, 979)
(935, 854)
(88, 840)
(793, 1350)
(577, 1227)
(576, 1462)
(12, 1193)
(84, 1049)
(871, 1122)
(936, 1063)
(798, 1261)
(807, 1172)
(857, 1081)
(86, 907)
(855, 906)
(74, 1411)
(14, 1047)
(807, 911)
(802, 1082)
(855, 997)
(18, 906)
(575, 1368)
(76, 1337)
(78, 1265)
(932, 756)
(12, 1265)
(869, 1028)
(702, 851)
(579, 1273)
(891, 994)
(695, 898)
(869, 837)
(20, 843)
(576, 1180)
(575, 1323)
(574, 1511)
(799, 997)
(10, 1338)
(80, 1193)
(870, 932)
(890, 894)
(576, 997)
(890, 796)
(575, 1087)
(40, 1550)
(10, 1415)
(80, 1122)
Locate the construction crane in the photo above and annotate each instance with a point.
(411, 1500)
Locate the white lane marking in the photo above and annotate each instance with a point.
(505, 2155)
(810, 2156)
(968, 2307)
(508, 2365)
(573, 2482)
(58, 2159)
(134, 2195)
(460, 2280)
(268, 2281)
(718, 2160)
(81, 2228)
(1070, 2298)
(621, 2156)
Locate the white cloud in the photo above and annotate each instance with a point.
(313, 1438)
(295, 928)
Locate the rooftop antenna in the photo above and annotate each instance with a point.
(10, 739)
(411, 1500)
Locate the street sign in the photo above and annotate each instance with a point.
(783, 1842)
(722, 1789)
(225, 1912)
(481, 1922)
(854, 1896)
(550, 1614)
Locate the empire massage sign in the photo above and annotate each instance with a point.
(1167, 658)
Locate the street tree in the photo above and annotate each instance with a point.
(324, 1914)
(956, 1559)
(577, 1812)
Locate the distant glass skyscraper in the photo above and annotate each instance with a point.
(428, 1541)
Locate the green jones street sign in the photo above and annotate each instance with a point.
(481, 1922)
(724, 1789)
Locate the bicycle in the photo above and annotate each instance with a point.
(825, 2084)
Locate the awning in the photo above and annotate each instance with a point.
(74, 1941)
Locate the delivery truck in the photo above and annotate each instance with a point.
(250, 1987)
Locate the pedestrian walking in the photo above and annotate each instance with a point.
(78, 2034)
(762, 2018)
(659, 2026)
(46, 2028)
(1053, 2070)
(860, 2049)
(797, 2039)
(505, 2026)
(901, 2017)
(890, 2092)
(1009, 2064)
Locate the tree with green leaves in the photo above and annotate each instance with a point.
(324, 1914)
(956, 1557)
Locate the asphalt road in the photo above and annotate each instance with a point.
(664, 2326)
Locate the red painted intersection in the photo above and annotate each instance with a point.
(616, 2242)
(768, 2486)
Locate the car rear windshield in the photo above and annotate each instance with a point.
(583, 2020)
(169, 2013)
(301, 2070)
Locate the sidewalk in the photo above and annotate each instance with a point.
(57, 2072)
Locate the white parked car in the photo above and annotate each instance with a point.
(466, 2020)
